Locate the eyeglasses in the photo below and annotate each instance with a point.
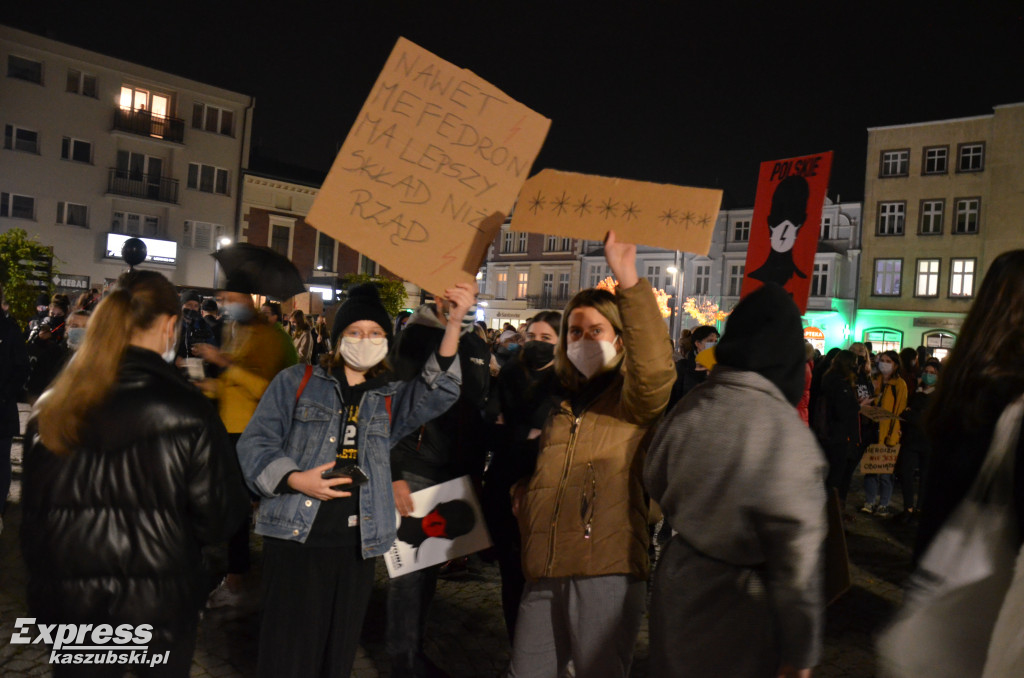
(376, 337)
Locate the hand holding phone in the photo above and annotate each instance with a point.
(357, 474)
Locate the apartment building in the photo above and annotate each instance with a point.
(97, 149)
(526, 273)
(942, 200)
(273, 214)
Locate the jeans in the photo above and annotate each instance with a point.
(872, 481)
(408, 603)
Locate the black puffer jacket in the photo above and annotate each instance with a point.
(112, 533)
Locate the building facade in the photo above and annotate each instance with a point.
(942, 200)
(97, 150)
(273, 214)
(526, 273)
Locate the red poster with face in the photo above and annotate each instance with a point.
(785, 226)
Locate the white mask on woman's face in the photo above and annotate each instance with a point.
(172, 348)
(589, 356)
(362, 354)
(885, 368)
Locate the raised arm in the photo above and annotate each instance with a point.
(648, 368)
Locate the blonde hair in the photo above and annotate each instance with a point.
(139, 298)
(601, 301)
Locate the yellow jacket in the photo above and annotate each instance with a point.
(257, 355)
(891, 397)
(585, 512)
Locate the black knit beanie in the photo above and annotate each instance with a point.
(363, 304)
(764, 335)
(190, 295)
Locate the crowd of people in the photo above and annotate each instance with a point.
(579, 429)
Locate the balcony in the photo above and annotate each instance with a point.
(550, 301)
(144, 186)
(147, 124)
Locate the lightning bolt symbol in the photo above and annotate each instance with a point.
(447, 258)
(515, 130)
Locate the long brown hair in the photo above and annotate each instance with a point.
(139, 298)
(299, 318)
(985, 370)
(844, 365)
(603, 302)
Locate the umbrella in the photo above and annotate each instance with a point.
(259, 270)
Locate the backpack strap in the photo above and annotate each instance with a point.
(305, 380)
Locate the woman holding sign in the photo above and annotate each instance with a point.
(318, 451)
(891, 396)
(583, 516)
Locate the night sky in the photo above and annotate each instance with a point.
(670, 92)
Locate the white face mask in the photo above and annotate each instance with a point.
(885, 368)
(172, 348)
(238, 312)
(589, 357)
(76, 335)
(362, 354)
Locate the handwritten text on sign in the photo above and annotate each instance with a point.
(587, 206)
(435, 153)
(879, 459)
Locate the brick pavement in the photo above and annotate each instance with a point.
(467, 636)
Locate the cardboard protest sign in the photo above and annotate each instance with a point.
(588, 206)
(446, 523)
(875, 413)
(427, 172)
(785, 225)
(879, 459)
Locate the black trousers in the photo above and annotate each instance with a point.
(239, 560)
(497, 507)
(314, 603)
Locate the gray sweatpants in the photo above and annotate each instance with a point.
(592, 620)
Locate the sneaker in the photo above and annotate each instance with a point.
(868, 508)
(885, 512)
(222, 596)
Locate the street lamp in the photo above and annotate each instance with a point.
(675, 300)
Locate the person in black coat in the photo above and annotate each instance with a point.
(528, 389)
(128, 473)
(445, 448)
(13, 373)
(915, 448)
(836, 421)
(688, 372)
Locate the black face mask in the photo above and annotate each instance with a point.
(537, 354)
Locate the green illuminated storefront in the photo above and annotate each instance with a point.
(835, 324)
(896, 330)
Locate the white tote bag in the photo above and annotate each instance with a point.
(955, 596)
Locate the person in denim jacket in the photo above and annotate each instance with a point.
(321, 534)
